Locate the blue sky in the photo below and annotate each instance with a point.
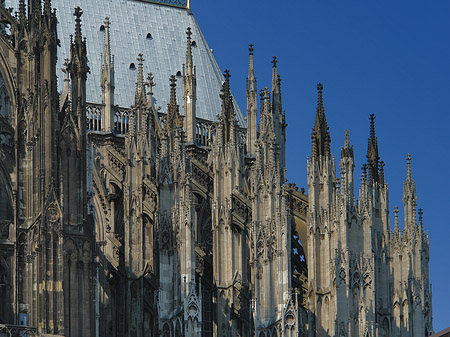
(390, 58)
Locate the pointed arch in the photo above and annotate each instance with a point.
(7, 74)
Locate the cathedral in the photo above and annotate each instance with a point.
(137, 200)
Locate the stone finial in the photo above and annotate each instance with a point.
(274, 61)
(250, 49)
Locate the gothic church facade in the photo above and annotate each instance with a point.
(136, 220)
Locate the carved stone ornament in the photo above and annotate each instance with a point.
(52, 214)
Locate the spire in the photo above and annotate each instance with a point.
(78, 13)
(189, 92)
(347, 139)
(408, 168)
(172, 108)
(372, 152)
(140, 88)
(251, 81)
(78, 51)
(227, 106)
(107, 81)
(321, 135)
(107, 43)
(274, 73)
(409, 194)
(189, 63)
(252, 109)
(347, 150)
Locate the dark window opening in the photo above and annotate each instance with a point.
(132, 66)
(149, 36)
(102, 28)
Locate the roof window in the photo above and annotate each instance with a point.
(149, 36)
(132, 66)
(178, 73)
(193, 43)
(102, 28)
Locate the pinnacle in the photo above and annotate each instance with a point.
(322, 137)
(78, 12)
(408, 168)
(347, 139)
(372, 126)
(189, 50)
(107, 42)
(373, 157)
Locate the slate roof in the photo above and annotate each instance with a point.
(164, 53)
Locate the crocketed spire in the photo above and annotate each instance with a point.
(227, 107)
(372, 153)
(173, 120)
(347, 150)
(321, 136)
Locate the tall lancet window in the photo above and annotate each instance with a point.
(5, 106)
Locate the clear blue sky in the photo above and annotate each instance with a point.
(391, 58)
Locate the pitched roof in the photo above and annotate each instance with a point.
(164, 52)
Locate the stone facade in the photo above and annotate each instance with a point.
(155, 223)
(363, 278)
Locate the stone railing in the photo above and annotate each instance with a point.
(7, 330)
(204, 130)
(122, 120)
(94, 117)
